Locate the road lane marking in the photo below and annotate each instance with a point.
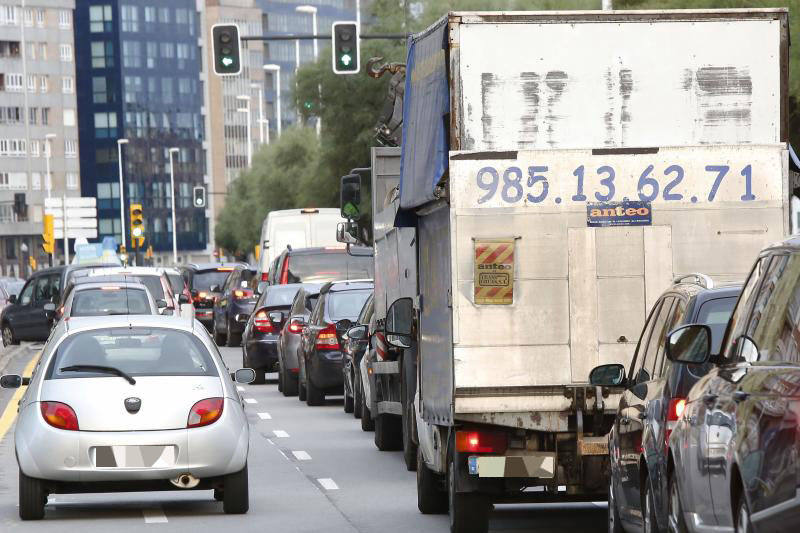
(251, 400)
(10, 412)
(239, 388)
(264, 416)
(283, 454)
(281, 434)
(270, 441)
(154, 516)
(300, 455)
(327, 483)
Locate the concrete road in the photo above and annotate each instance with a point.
(311, 470)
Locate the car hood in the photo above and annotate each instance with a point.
(99, 402)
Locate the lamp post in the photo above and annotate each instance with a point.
(312, 10)
(48, 182)
(173, 151)
(277, 69)
(246, 109)
(260, 111)
(120, 142)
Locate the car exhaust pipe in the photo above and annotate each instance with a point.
(185, 481)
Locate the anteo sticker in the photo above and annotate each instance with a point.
(494, 271)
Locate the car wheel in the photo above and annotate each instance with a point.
(219, 338)
(431, 499)
(219, 494)
(301, 391)
(388, 432)
(314, 395)
(469, 512)
(348, 400)
(289, 384)
(743, 516)
(235, 497)
(357, 398)
(650, 525)
(367, 423)
(614, 524)
(8, 336)
(261, 376)
(32, 497)
(676, 523)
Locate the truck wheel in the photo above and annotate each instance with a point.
(356, 399)
(367, 423)
(235, 497)
(388, 432)
(431, 499)
(32, 498)
(314, 396)
(469, 512)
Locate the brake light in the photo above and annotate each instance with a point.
(309, 210)
(295, 326)
(59, 415)
(205, 412)
(262, 322)
(225, 269)
(202, 295)
(264, 276)
(242, 293)
(110, 288)
(674, 412)
(327, 339)
(481, 441)
(285, 271)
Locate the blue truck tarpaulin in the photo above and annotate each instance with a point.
(426, 105)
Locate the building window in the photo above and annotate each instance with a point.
(65, 52)
(43, 83)
(13, 180)
(9, 49)
(130, 18)
(13, 147)
(9, 15)
(100, 19)
(166, 90)
(70, 148)
(105, 125)
(40, 19)
(14, 82)
(69, 117)
(168, 50)
(163, 15)
(152, 54)
(36, 181)
(34, 148)
(101, 90)
(105, 155)
(68, 84)
(43, 51)
(64, 19)
(102, 54)
(11, 115)
(133, 85)
(33, 115)
(132, 54)
(72, 180)
(31, 83)
(184, 85)
(45, 116)
(28, 16)
(32, 50)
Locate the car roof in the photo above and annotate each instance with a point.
(110, 278)
(212, 266)
(361, 251)
(109, 283)
(88, 323)
(347, 285)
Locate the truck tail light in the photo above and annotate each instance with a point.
(59, 415)
(481, 441)
(240, 294)
(205, 412)
(674, 412)
(327, 339)
(285, 271)
(295, 326)
(262, 322)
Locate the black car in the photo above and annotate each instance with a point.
(29, 316)
(654, 397)
(263, 329)
(356, 342)
(321, 265)
(233, 305)
(734, 455)
(321, 362)
(290, 335)
(201, 278)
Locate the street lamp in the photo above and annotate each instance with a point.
(277, 69)
(120, 142)
(172, 195)
(260, 111)
(48, 183)
(246, 99)
(312, 10)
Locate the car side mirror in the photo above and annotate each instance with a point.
(689, 344)
(357, 333)
(183, 299)
(50, 307)
(244, 375)
(161, 303)
(399, 319)
(612, 375)
(12, 299)
(214, 288)
(350, 197)
(13, 381)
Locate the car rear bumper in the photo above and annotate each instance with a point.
(261, 352)
(324, 371)
(45, 452)
(205, 316)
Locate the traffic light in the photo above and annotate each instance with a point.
(199, 195)
(137, 226)
(32, 262)
(48, 235)
(345, 48)
(227, 47)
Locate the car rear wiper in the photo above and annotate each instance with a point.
(99, 368)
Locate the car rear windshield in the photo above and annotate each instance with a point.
(326, 266)
(204, 279)
(716, 313)
(176, 282)
(347, 304)
(279, 295)
(110, 301)
(153, 284)
(135, 351)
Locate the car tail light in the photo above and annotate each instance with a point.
(327, 339)
(295, 326)
(240, 294)
(59, 415)
(262, 322)
(285, 271)
(480, 441)
(674, 412)
(265, 276)
(205, 412)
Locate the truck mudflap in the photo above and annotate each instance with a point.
(531, 465)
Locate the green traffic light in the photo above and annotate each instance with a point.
(346, 60)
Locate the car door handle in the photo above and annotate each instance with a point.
(740, 396)
(710, 399)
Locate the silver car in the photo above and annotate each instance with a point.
(131, 403)
(109, 298)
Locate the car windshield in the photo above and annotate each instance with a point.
(153, 284)
(328, 266)
(176, 282)
(203, 280)
(347, 304)
(716, 313)
(110, 301)
(135, 351)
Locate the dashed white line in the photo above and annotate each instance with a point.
(283, 454)
(250, 400)
(300, 455)
(239, 388)
(327, 483)
(281, 434)
(270, 441)
(264, 416)
(154, 516)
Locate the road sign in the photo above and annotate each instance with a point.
(72, 212)
(76, 233)
(77, 223)
(88, 201)
(81, 216)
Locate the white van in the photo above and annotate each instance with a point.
(298, 228)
